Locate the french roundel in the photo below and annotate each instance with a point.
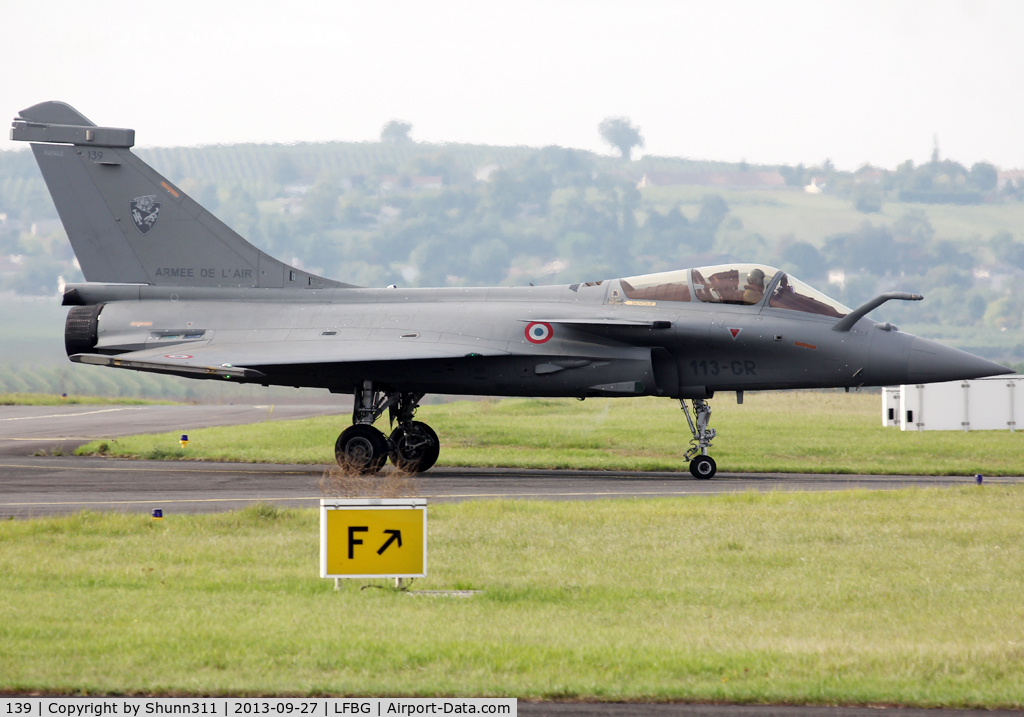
(537, 332)
(178, 356)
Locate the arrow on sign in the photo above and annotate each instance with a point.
(395, 535)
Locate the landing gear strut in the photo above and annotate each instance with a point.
(703, 465)
(412, 447)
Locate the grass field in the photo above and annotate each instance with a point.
(814, 217)
(909, 597)
(771, 432)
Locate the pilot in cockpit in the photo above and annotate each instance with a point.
(783, 289)
(754, 289)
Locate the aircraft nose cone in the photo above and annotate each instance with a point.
(930, 362)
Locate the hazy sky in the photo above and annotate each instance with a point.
(772, 82)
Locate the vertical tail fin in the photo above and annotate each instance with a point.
(128, 224)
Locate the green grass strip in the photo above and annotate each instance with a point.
(770, 432)
(909, 597)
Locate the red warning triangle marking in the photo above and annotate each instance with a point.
(735, 332)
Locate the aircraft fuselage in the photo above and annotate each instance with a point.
(689, 349)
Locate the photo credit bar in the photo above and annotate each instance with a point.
(243, 707)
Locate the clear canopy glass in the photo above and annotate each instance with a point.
(795, 295)
(664, 286)
(743, 284)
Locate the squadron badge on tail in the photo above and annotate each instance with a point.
(144, 212)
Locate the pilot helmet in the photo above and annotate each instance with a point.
(756, 277)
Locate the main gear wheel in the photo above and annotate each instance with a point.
(415, 447)
(361, 449)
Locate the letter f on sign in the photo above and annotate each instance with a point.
(352, 540)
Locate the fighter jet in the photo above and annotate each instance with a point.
(173, 290)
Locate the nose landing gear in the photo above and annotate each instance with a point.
(413, 446)
(701, 466)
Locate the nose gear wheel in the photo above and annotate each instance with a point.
(701, 466)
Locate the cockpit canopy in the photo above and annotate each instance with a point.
(742, 284)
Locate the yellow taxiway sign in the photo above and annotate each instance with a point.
(373, 538)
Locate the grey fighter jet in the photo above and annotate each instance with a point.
(171, 289)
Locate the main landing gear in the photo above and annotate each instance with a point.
(703, 465)
(412, 447)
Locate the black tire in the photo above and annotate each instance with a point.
(414, 450)
(361, 449)
(703, 467)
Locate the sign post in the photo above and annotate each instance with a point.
(373, 538)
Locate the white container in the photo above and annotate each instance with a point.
(983, 404)
(891, 406)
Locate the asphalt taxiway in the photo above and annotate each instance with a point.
(47, 485)
(34, 485)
